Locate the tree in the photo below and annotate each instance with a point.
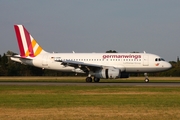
(111, 51)
(134, 52)
(177, 61)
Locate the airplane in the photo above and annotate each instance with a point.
(97, 65)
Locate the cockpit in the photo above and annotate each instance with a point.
(159, 59)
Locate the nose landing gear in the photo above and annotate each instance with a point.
(146, 78)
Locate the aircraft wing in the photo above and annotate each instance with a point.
(83, 66)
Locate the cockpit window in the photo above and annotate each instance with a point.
(162, 59)
(159, 59)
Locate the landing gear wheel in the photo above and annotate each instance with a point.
(96, 79)
(88, 79)
(146, 80)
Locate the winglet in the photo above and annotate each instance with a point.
(27, 44)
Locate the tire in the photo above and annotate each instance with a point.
(88, 79)
(146, 80)
(96, 79)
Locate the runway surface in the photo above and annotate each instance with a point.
(88, 84)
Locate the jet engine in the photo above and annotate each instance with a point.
(108, 73)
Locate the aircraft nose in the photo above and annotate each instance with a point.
(168, 65)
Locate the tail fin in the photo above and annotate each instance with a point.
(27, 44)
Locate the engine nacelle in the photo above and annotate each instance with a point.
(108, 73)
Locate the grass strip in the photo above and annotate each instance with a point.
(89, 102)
(82, 79)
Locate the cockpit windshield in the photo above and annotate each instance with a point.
(159, 59)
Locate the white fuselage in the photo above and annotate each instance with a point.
(127, 62)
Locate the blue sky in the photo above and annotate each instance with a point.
(95, 25)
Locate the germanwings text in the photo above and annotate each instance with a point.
(121, 56)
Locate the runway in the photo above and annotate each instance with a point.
(165, 84)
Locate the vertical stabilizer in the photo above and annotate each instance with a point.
(27, 44)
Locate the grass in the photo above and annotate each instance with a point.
(82, 79)
(89, 102)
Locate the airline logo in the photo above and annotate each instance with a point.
(121, 56)
(157, 64)
(27, 44)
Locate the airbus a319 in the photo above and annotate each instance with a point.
(96, 65)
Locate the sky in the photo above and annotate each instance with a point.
(95, 25)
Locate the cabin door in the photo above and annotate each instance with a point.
(146, 60)
(44, 61)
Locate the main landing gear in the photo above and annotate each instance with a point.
(96, 79)
(146, 78)
(89, 79)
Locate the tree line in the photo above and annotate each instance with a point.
(10, 68)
